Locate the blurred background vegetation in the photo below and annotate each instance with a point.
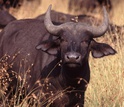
(33, 8)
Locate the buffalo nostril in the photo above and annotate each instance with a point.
(77, 57)
(68, 57)
(72, 57)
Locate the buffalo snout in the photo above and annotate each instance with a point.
(72, 59)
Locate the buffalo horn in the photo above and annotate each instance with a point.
(53, 29)
(98, 31)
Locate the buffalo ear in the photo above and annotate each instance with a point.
(50, 47)
(101, 49)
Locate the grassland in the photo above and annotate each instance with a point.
(106, 87)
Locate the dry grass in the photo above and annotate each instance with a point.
(106, 88)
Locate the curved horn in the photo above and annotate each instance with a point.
(53, 29)
(101, 29)
(97, 31)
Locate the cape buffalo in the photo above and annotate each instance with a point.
(9, 3)
(89, 5)
(5, 18)
(60, 17)
(54, 57)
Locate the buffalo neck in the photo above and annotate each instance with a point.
(72, 75)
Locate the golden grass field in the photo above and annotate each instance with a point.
(106, 87)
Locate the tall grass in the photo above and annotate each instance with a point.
(106, 87)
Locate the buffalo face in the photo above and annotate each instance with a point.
(74, 41)
(74, 46)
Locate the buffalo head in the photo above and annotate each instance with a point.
(75, 40)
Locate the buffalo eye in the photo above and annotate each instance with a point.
(63, 40)
(85, 43)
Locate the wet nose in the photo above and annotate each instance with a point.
(72, 57)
